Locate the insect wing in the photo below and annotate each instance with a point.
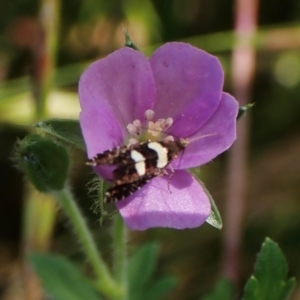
(136, 165)
(143, 162)
(119, 192)
(121, 156)
(114, 156)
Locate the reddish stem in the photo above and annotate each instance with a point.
(243, 65)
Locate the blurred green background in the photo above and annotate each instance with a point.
(80, 32)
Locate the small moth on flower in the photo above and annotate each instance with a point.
(159, 115)
(137, 164)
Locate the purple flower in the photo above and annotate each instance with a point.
(127, 97)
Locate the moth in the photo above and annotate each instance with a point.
(137, 164)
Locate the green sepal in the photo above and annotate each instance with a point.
(128, 41)
(45, 163)
(222, 291)
(214, 218)
(65, 130)
(61, 279)
(269, 280)
(243, 110)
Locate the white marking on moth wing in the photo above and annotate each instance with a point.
(136, 156)
(162, 154)
(140, 168)
(139, 159)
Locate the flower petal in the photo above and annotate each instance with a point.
(100, 130)
(189, 85)
(216, 136)
(122, 83)
(179, 202)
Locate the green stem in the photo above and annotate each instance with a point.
(37, 232)
(45, 53)
(106, 285)
(120, 254)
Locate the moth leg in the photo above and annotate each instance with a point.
(162, 172)
(171, 174)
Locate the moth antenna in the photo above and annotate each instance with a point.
(200, 137)
(170, 177)
(188, 141)
(186, 138)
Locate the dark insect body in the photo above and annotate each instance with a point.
(137, 164)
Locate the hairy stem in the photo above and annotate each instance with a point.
(120, 254)
(105, 282)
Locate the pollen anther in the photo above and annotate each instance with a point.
(149, 129)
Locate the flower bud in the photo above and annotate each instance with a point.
(243, 110)
(44, 162)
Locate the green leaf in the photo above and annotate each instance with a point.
(269, 279)
(61, 279)
(141, 268)
(66, 130)
(214, 219)
(160, 288)
(222, 291)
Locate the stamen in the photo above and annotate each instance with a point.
(132, 141)
(137, 123)
(160, 121)
(168, 123)
(132, 129)
(149, 114)
(154, 128)
(149, 129)
(169, 138)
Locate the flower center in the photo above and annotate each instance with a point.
(149, 129)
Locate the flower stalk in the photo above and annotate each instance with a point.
(45, 53)
(38, 231)
(120, 254)
(105, 282)
(37, 236)
(243, 65)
